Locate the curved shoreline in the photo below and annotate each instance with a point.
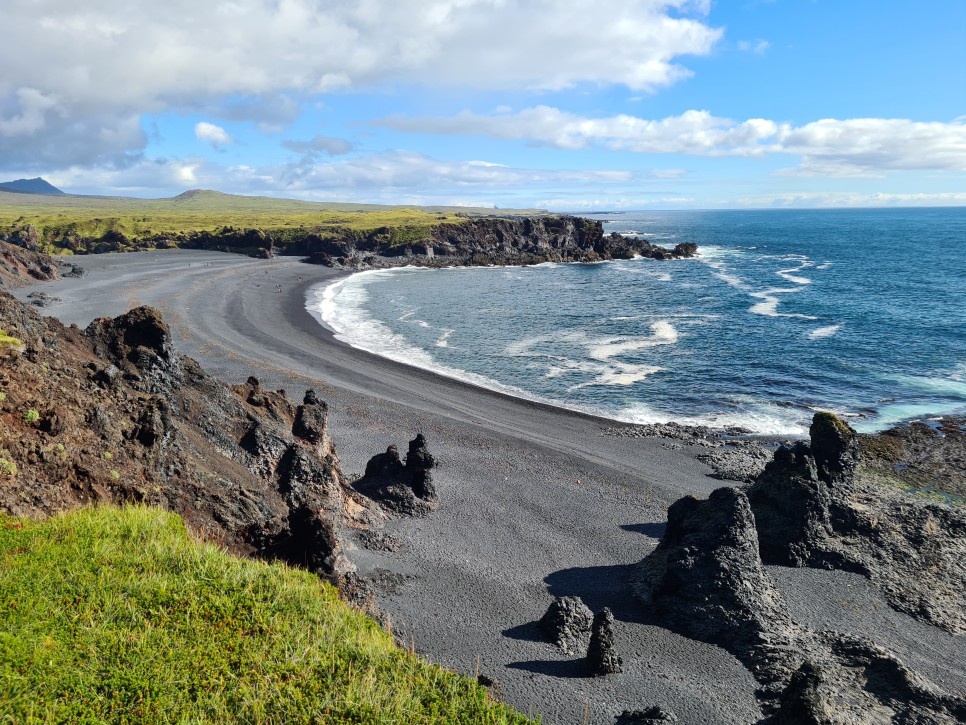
(535, 501)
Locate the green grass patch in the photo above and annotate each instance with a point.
(89, 217)
(117, 615)
(8, 340)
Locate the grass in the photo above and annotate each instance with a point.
(91, 217)
(117, 615)
(8, 341)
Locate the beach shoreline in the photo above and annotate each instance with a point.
(536, 502)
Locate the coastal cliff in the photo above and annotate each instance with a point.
(481, 241)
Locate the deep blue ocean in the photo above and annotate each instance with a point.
(862, 312)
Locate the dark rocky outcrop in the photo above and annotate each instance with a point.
(706, 580)
(567, 623)
(405, 488)
(927, 456)
(123, 418)
(481, 242)
(811, 510)
(602, 657)
(21, 265)
(851, 680)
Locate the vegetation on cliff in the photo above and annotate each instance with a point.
(118, 615)
(209, 219)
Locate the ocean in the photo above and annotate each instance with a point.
(860, 311)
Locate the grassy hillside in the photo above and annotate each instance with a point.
(92, 217)
(116, 615)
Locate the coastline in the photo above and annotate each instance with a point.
(535, 501)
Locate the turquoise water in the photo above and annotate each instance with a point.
(862, 312)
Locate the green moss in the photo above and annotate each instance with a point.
(116, 615)
(31, 415)
(8, 467)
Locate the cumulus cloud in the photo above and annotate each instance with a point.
(119, 59)
(410, 172)
(832, 147)
(215, 135)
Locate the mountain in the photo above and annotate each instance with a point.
(31, 186)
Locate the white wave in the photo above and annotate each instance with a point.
(662, 333)
(714, 257)
(760, 419)
(422, 323)
(768, 307)
(794, 279)
(443, 340)
(824, 265)
(340, 307)
(620, 374)
(821, 332)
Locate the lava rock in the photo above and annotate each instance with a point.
(567, 623)
(835, 448)
(706, 580)
(602, 657)
(792, 506)
(311, 419)
(405, 488)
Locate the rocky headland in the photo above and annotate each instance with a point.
(477, 242)
(483, 242)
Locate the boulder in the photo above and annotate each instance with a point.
(567, 623)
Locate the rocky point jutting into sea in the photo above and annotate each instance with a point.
(550, 553)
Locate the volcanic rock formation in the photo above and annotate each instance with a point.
(406, 488)
(113, 414)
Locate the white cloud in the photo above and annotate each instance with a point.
(215, 135)
(102, 64)
(757, 47)
(829, 147)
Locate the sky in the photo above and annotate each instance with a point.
(568, 105)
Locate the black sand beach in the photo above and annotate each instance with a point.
(535, 502)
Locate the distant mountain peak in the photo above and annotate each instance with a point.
(31, 186)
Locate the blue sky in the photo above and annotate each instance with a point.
(582, 105)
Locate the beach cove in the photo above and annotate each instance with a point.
(535, 502)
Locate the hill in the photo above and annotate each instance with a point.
(31, 186)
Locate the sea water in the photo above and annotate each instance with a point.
(861, 312)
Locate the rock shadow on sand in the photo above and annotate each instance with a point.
(653, 530)
(564, 669)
